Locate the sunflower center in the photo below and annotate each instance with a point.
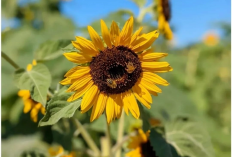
(115, 70)
(147, 150)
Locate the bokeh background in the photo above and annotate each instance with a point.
(199, 53)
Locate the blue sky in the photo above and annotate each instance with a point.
(191, 18)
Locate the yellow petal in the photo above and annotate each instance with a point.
(25, 94)
(143, 135)
(152, 92)
(80, 92)
(117, 110)
(114, 33)
(42, 110)
(151, 56)
(125, 103)
(167, 31)
(27, 105)
(71, 71)
(142, 95)
(129, 102)
(79, 73)
(135, 35)
(80, 82)
(55, 150)
(99, 107)
(162, 70)
(149, 76)
(134, 153)
(34, 114)
(95, 38)
(29, 67)
(77, 57)
(92, 103)
(117, 105)
(34, 62)
(144, 41)
(110, 109)
(85, 46)
(88, 98)
(66, 81)
(150, 86)
(105, 34)
(151, 66)
(126, 33)
(161, 21)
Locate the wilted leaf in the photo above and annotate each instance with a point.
(37, 80)
(188, 138)
(58, 108)
(51, 49)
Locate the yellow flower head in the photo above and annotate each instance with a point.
(31, 105)
(164, 14)
(118, 72)
(56, 151)
(211, 39)
(140, 145)
(29, 66)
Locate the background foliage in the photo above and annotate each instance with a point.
(199, 88)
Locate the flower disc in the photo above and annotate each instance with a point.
(115, 70)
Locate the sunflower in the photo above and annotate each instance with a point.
(113, 75)
(140, 145)
(211, 39)
(164, 14)
(31, 105)
(56, 151)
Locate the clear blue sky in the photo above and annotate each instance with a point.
(191, 18)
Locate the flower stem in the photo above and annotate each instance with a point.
(143, 11)
(108, 137)
(10, 60)
(87, 137)
(119, 144)
(120, 133)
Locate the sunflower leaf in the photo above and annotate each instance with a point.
(37, 80)
(160, 145)
(188, 138)
(51, 49)
(144, 117)
(58, 108)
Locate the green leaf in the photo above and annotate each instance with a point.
(37, 80)
(58, 108)
(160, 145)
(172, 102)
(189, 138)
(51, 49)
(140, 3)
(144, 117)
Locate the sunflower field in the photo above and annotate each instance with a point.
(117, 87)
